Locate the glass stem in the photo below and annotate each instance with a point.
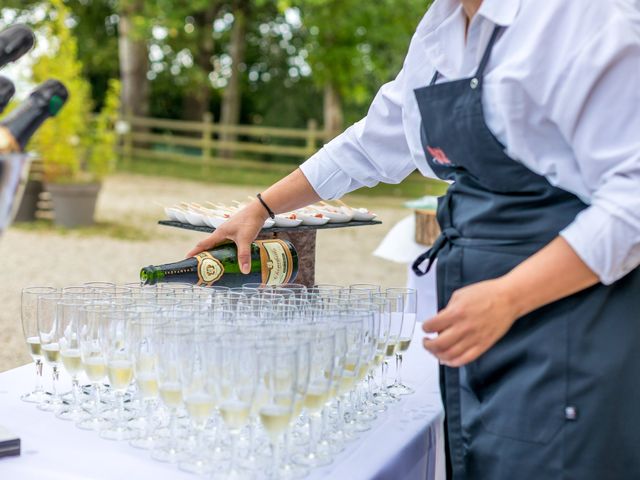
(173, 429)
(385, 369)
(97, 399)
(39, 388)
(275, 449)
(120, 420)
(398, 369)
(148, 427)
(313, 427)
(54, 385)
(75, 387)
(286, 446)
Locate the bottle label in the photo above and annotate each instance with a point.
(210, 269)
(276, 261)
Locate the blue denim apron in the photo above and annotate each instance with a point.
(559, 395)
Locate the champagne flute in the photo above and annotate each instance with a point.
(29, 317)
(49, 334)
(199, 396)
(69, 313)
(145, 355)
(408, 313)
(119, 358)
(279, 372)
(173, 342)
(237, 386)
(323, 340)
(93, 352)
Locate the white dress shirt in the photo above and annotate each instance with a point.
(561, 92)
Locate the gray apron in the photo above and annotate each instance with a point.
(559, 395)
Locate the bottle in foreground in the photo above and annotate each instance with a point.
(18, 127)
(273, 262)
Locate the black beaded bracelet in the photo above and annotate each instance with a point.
(266, 207)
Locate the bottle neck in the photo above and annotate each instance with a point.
(23, 122)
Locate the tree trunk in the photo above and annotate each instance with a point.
(134, 60)
(198, 97)
(231, 97)
(332, 110)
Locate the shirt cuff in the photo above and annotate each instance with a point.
(326, 177)
(606, 244)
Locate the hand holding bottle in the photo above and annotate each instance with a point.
(292, 192)
(242, 228)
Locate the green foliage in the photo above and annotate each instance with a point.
(103, 139)
(73, 146)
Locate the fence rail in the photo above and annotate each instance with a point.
(212, 144)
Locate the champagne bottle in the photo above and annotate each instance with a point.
(273, 262)
(19, 125)
(6, 92)
(15, 41)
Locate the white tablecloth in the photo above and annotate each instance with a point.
(401, 444)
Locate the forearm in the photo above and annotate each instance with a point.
(553, 273)
(292, 192)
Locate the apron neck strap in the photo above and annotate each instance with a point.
(483, 62)
(487, 53)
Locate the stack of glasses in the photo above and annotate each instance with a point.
(229, 383)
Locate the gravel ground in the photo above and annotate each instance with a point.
(53, 258)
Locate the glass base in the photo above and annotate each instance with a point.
(73, 414)
(144, 442)
(93, 423)
(292, 471)
(53, 405)
(313, 460)
(168, 454)
(199, 466)
(37, 396)
(116, 432)
(400, 389)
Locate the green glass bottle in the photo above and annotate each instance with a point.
(273, 262)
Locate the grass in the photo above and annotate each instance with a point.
(99, 229)
(412, 187)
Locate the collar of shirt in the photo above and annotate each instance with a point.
(442, 32)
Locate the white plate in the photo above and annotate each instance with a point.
(215, 222)
(268, 223)
(310, 219)
(284, 221)
(337, 217)
(180, 215)
(171, 214)
(362, 215)
(195, 219)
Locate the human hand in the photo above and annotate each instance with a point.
(475, 318)
(242, 228)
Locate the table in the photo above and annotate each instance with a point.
(401, 444)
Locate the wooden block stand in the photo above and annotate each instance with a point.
(302, 237)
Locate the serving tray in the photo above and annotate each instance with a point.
(274, 229)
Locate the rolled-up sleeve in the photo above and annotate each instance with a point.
(372, 150)
(596, 105)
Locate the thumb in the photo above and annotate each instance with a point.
(244, 256)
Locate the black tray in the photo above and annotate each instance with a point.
(299, 228)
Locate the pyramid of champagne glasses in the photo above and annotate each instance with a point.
(248, 382)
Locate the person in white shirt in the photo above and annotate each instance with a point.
(531, 110)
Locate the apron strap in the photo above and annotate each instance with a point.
(487, 53)
(445, 237)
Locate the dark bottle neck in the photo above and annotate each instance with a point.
(43, 103)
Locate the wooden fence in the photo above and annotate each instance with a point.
(212, 144)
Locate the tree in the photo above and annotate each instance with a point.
(134, 57)
(356, 46)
